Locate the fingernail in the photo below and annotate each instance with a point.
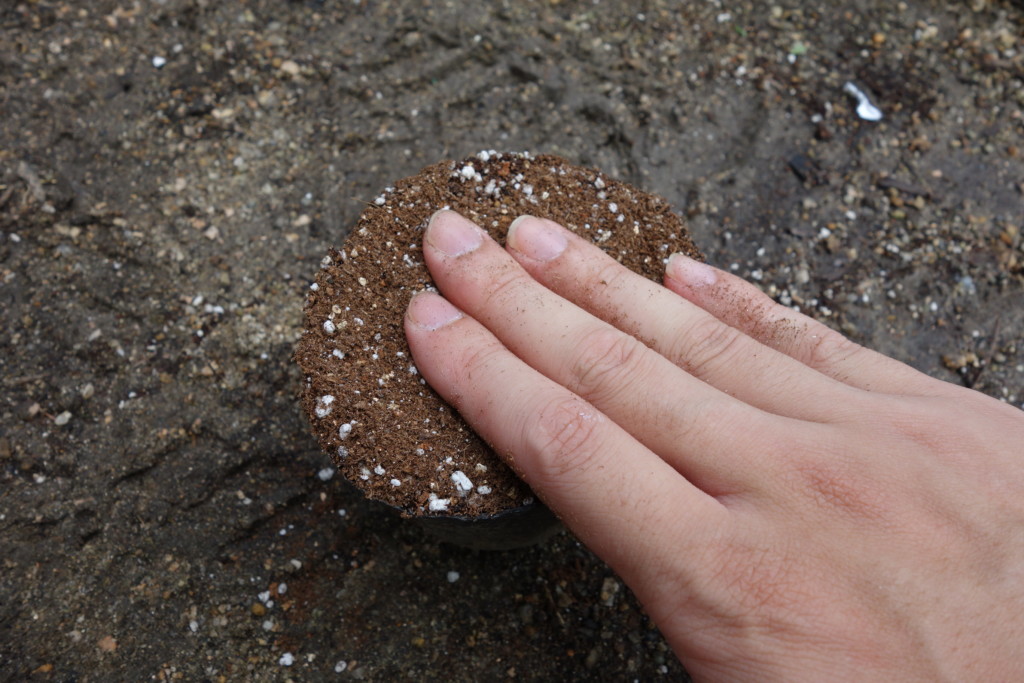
(540, 240)
(689, 272)
(431, 312)
(451, 234)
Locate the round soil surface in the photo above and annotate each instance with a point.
(388, 432)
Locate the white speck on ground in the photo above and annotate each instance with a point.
(453, 576)
(287, 659)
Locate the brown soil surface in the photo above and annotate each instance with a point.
(387, 431)
(172, 173)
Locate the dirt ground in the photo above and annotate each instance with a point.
(172, 172)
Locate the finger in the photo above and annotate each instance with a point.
(706, 435)
(744, 307)
(683, 333)
(615, 494)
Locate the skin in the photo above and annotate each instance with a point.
(785, 503)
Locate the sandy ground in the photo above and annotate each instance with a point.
(172, 172)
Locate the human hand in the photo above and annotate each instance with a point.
(785, 503)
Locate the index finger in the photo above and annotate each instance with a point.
(619, 497)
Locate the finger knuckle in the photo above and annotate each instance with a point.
(504, 285)
(467, 367)
(827, 348)
(607, 277)
(708, 344)
(605, 362)
(566, 437)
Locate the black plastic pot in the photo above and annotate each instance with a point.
(515, 528)
(518, 527)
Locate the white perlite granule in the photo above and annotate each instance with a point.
(462, 483)
(323, 406)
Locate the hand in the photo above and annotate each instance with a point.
(785, 503)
